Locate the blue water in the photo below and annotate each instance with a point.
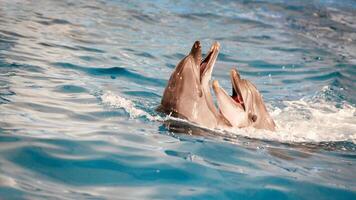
(80, 82)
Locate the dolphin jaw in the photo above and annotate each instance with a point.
(236, 90)
(204, 63)
(230, 110)
(208, 62)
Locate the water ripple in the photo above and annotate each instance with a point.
(80, 83)
(114, 71)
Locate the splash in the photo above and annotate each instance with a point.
(322, 118)
(304, 121)
(316, 121)
(117, 101)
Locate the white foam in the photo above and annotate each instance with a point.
(120, 102)
(303, 121)
(315, 121)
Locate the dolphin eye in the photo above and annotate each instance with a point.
(253, 117)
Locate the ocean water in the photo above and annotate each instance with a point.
(80, 82)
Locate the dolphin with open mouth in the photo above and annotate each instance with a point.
(245, 107)
(188, 95)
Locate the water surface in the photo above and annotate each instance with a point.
(80, 81)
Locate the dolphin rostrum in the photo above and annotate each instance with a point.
(188, 95)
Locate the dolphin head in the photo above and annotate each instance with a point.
(185, 94)
(245, 107)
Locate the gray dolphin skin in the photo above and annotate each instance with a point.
(188, 95)
(245, 107)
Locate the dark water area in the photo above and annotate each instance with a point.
(80, 82)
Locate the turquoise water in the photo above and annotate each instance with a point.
(80, 81)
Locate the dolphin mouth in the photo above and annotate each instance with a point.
(209, 61)
(236, 91)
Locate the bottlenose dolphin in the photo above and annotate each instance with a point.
(188, 95)
(245, 107)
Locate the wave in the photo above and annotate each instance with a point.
(113, 72)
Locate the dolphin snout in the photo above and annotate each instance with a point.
(215, 46)
(216, 85)
(196, 52)
(197, 44)
(235, 74)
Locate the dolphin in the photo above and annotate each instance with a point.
(187, 94)
(245, 107)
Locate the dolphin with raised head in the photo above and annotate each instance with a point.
(188, 95)
(245, 107)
